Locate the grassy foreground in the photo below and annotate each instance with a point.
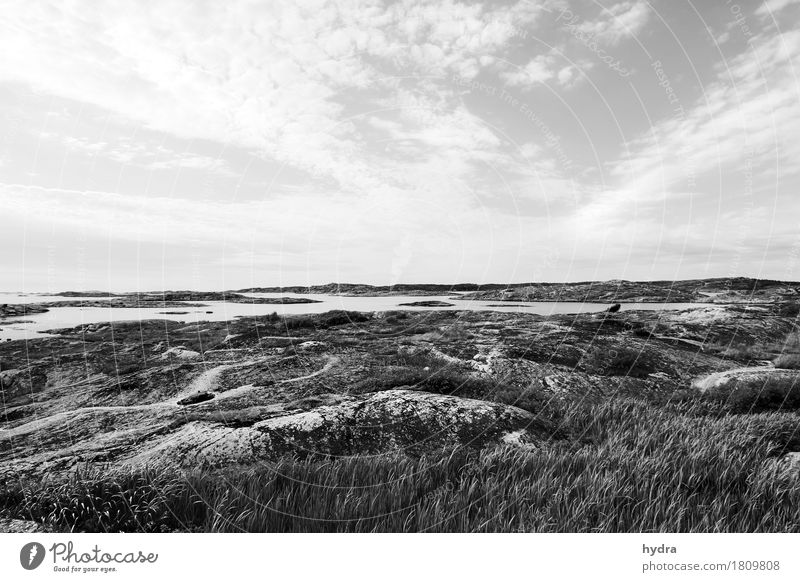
(625, 465)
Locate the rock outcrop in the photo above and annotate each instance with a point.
(18, 386)
(396, 419)
(13, 310)
(393, 420)
(180, 353)
(20, 526)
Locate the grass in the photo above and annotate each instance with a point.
(789, 309)
(782, 352)
(627, 466)
(618, 360)
(421, 370)
(758, 394)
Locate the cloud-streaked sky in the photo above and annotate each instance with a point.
(212, 145)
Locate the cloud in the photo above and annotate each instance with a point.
(268, 76)
(143, 154)
(747, 114)
(771, 7)
(388, 237)
(620, 21)
(538, 70)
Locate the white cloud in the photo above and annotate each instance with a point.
(545, 68)
(143, 154)
(748, 113)
(620, 21)
(771, 7)
(265, 75)
(538, 70)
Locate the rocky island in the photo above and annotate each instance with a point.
(167, 299)
(719, 290)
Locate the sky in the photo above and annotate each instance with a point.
(189, 144)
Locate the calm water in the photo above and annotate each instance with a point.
(35, 325)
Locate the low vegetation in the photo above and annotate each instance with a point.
(788, 361)
(790, 353)
(618, 360)
(784, 353)
(789, 309)
(427, 372)
(644, 421)
(758, 394)
(626, 467)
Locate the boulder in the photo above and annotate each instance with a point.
(180, 353)
(396, 419)
(196, 398)
(568, 383)
(311, 346)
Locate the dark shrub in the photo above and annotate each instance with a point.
(438, 381)
(789, 361)
(618, 361)
(196, 398)
(421, 370)
(341, 317)
(323, 320)
(789, 309)
(779, 392)
(120, 365)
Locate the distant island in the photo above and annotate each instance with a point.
(717, 290)
(427, 304)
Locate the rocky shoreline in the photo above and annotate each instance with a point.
(164, 301)
(21, 310)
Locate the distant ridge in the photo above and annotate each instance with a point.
(681, 290)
